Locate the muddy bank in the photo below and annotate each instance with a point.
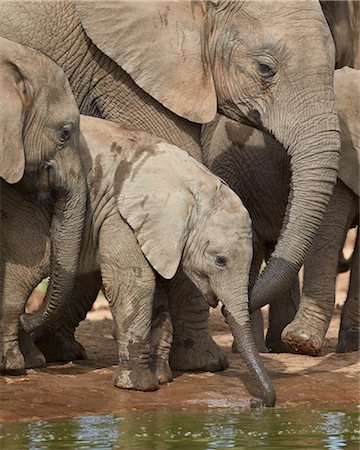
(85, 387)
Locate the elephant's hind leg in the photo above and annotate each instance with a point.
(349, 333)
(193, 348)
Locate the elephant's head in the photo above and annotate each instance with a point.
(270, 63)
(39, 132)
(183, 214)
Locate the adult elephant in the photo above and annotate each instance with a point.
(231, 151)
(167, 67)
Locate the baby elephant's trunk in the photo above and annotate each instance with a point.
(239, 323)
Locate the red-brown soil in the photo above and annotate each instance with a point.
(85, 387)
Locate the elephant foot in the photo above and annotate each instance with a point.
(197, 355)
(12, 361)
(302, 340)
(138, 379)
(32, 355)
(349, 341)
(57, 347)
(161, 368)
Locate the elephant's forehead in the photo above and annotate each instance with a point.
(230, 214)
(263, 8)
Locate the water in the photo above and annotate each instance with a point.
(279, 428)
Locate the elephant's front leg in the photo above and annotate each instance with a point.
(349, 333)
(16, 285)
(193, 348)
(129, 285)
(306, 333)
(161, 334)
(281, 313)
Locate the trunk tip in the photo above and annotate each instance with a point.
(274, 280)
(269, 400)
(30, 322)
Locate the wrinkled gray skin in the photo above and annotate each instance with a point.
(239, 58)
(173, 212)
(259, 173)
(39, 132)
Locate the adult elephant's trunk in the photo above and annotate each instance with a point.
(66, 233)
(237, 316)
(310, 132)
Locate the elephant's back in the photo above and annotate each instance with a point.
(101, 87)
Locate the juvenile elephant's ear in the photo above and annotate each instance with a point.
(12, 156)
(158, 43)
(152, 197)
(347, 96)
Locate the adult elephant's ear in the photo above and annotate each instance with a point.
(153, 199)
(12, 87)
(347, 96)
(159, 44)
(337, 15)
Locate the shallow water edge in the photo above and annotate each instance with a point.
(271, 428)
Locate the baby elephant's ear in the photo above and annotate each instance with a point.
(153, 198)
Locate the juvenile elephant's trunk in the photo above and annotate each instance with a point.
(66, 234)
(237, 316)
(313, 145)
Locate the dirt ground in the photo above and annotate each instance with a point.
(85, 387)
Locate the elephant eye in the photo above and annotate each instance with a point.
(265, 70)
(220, 260)
(65, 133)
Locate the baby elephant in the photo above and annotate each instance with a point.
(152, 208)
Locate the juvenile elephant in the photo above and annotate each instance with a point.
(39, 133)
(259, 173)
(168, 67)
(152, 207)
